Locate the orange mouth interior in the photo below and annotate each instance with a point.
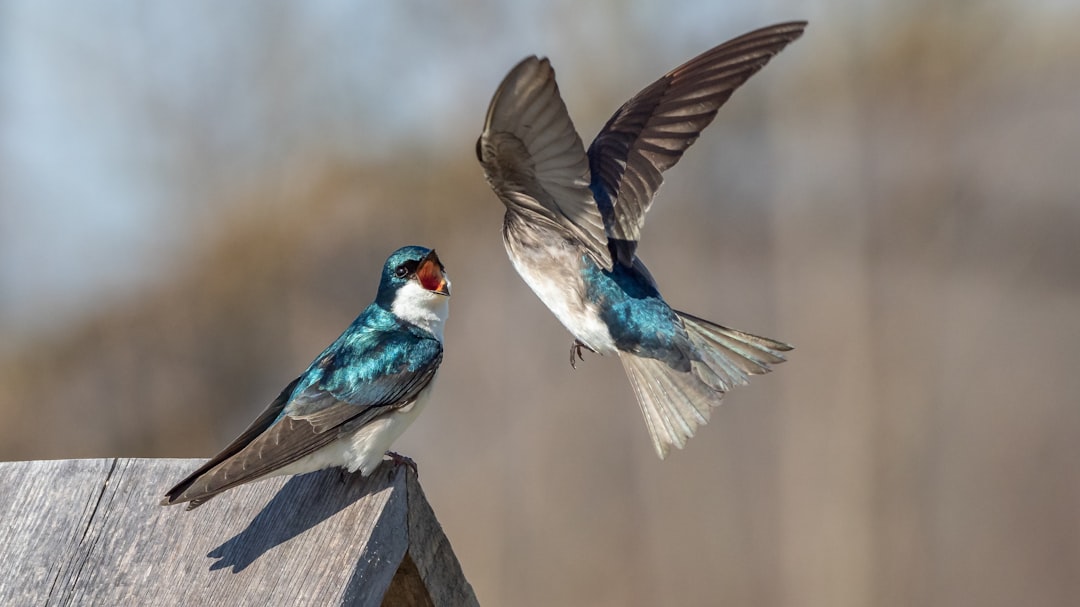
(431, 276)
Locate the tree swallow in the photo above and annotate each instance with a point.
(573, 220)
(355, 399)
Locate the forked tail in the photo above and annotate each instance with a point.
(676, 402)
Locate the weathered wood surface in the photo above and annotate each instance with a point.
(91, 532)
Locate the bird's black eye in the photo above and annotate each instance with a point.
(479, 151)
(406, 269)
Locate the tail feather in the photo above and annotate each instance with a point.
(675, 403)
(728, 356)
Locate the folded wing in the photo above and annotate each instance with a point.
(343, 399)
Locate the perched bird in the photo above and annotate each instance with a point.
(355, 399)
(574, 217)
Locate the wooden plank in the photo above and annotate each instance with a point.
(92, 532)
(430, 552)
(34, 537)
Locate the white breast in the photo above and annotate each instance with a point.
(425, 309)
(365, 448)
(552, 269)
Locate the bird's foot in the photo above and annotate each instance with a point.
(575, 351)
(343, 475)
(402, 460)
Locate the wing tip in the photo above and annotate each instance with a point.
(526, 74)
(789, 29)
(193, 502)
(175, 495)
(530, 63)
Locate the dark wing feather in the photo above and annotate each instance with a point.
(534, 159)
(649, 133)
(336, 405)
(257, 427)
(283, 443)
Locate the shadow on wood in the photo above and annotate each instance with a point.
(91, 532)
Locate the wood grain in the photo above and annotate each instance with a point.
(90, 532)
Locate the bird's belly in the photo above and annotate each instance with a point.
(364, 449)
(368, 445)
(554, 274)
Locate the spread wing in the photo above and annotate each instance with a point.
(534, 158)
(337, 395)
(649, 133)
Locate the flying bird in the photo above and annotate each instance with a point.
(355, 399)
(574, 218)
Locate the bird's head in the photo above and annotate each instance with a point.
(415, 287)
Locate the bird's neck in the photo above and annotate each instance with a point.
(422, 308)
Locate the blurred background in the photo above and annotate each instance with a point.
(195, 198)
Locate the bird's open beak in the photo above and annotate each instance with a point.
(432, 276)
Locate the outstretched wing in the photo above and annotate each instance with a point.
(341, 395)
(534, 159)
(649, 133)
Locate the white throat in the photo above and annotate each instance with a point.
(425, 309)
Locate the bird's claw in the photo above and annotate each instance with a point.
(402, 460)
(575, 351)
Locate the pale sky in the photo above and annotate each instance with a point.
(105, 107)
